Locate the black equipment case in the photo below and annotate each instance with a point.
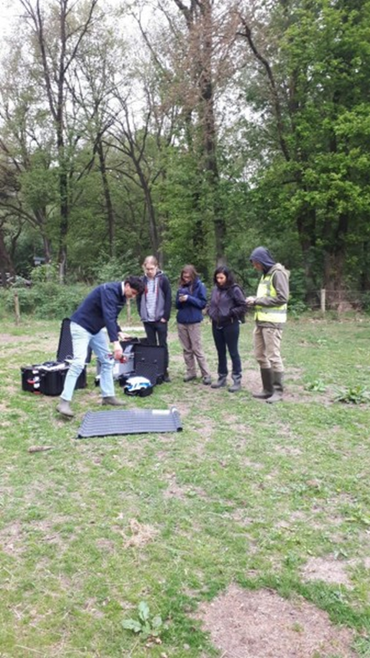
(48, 377)
(139, 359)
(149, 362)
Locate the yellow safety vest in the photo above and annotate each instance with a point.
(277, 314)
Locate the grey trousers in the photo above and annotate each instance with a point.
(267, 343)
(190, 339)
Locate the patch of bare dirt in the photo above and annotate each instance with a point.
(245, 624)
(175, 490)
(327, 570)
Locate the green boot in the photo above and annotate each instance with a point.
(277, 381)
(268, 388)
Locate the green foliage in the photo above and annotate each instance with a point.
(316, 386)
(45, 300)
(114, 269)
(145, 625)
(47, 273)
(353, 395)
(314, 181)
(296, 181)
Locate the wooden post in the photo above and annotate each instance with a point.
(16, 308)
(323, 300)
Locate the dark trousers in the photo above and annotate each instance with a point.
(227, 337)
(156, 333)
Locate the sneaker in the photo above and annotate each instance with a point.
(207, 381)
(189, 378)
(64, 408)
(113, 401)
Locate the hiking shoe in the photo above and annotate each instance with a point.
(112, 401)
(64, 408)
(189, 378)
(207, 381)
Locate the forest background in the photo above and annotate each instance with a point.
(191, 129)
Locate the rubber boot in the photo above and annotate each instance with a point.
(112, 401)
(277, 381)
(220, 382)
(236, 386)
(268, 388)
(64, 408)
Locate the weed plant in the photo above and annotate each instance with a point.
(247, 493)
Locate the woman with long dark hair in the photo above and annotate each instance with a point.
(191, 299)
(227, 309)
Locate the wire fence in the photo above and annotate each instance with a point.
(341, 301)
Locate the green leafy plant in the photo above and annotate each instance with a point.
(317, 386)
(145, 625)
(353, 395)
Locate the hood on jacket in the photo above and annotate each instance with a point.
(262, 255)
(278, 267)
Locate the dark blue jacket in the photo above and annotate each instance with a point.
(190, 312)
(101, 308)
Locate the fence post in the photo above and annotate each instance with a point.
(16, 308)
(323, 300)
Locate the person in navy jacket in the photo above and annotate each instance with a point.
(191, 299)
(98, 311)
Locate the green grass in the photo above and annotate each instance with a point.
(246, 493)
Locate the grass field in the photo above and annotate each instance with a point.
(248, 493)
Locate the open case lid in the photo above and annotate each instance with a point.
(65, 351)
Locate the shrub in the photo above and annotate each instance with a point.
(45, 300)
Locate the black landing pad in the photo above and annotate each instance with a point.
(129, 421)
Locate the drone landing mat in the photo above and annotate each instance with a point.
(129, 421)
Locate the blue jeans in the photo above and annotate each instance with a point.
(227, 337)
(81, 341)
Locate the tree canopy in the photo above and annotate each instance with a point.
(194, 130)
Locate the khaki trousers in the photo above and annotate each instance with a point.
(267, 343)
(190, 339)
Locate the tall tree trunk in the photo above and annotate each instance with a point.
(6, 264)
(107, 195)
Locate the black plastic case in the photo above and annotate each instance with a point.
(48, 377)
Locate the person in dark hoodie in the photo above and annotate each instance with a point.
(270, 313)
(99, 310)
(227, 309)
(191, 299)
(154, 306)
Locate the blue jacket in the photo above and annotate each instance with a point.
(190, 312)
(101, 308)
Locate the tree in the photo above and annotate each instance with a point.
(308, 87)
(58, 37)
